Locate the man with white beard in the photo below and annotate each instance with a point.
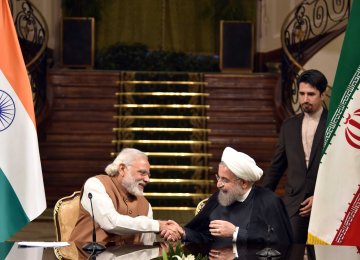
(240, 212)
(121, 211)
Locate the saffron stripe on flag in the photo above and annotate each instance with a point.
(22, 187)
(12, 62)
(20, 161)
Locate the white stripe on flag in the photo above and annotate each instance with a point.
(19, 157)
(336, 252)
(333, 199)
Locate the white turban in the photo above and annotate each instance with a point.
(242, 165)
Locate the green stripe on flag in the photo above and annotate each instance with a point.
(5, 248)
(346, 81)
(334, 212)
(12, 215)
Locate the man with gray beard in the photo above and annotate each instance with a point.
(240, 212)
(121, 211)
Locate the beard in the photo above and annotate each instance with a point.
(132, 186)
(227, 198)
(307, 108)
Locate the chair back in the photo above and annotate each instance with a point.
(66, 212)
(200, 205)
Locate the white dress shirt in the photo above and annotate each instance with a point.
(308, 129)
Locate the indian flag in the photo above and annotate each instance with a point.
(22, 195)
(335, 216)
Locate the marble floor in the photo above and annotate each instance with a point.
(37, 230)
(40, 229)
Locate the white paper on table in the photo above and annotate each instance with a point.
(42, 244)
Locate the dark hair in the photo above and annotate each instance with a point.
(314, 78)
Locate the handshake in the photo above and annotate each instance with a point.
(171, 231)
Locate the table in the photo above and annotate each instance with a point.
(11, 251)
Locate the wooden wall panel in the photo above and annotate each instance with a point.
(77, 140)
(242, 116)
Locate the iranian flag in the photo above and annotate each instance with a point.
(335, 216)
(22, 196)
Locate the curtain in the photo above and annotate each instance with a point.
(169, 25)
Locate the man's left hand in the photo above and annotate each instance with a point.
(221, 228)
(306, 206)
(221, 254)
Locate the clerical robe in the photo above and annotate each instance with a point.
(261, 218)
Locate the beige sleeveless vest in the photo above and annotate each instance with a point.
(124, 203)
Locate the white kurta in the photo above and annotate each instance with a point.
(110, 220)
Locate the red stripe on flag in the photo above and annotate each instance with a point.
(348, 233)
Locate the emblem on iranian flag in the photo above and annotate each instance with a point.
(352, 131)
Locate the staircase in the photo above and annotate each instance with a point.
(33, 35)
(304, 33)
(164, 115)
(182, 121)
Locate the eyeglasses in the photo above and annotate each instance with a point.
(225, 180)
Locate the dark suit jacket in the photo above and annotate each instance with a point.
(290, 155)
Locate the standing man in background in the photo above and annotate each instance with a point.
(299, 152)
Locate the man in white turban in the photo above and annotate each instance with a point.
(242, 165)
(240, 212)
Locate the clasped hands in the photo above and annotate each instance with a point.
(170, 230)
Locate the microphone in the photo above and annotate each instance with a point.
(93, 247)
(268, 252)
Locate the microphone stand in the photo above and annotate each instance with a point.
(93, 247)
(268, 252)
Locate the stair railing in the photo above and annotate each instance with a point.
(308, 28)
(33, 34)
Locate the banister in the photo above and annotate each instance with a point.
(306, 29)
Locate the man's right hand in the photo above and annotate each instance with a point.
(306, 206)
(170, 230)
